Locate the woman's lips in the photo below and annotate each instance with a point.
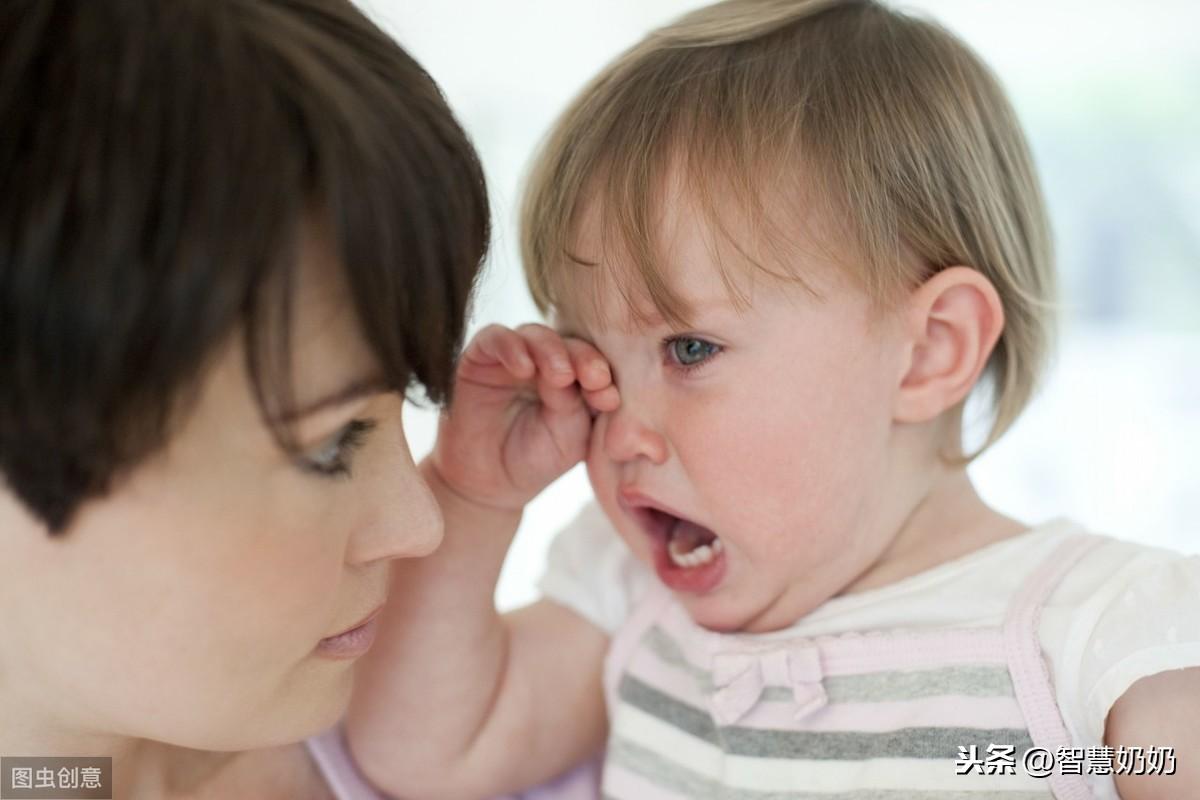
(352, 642)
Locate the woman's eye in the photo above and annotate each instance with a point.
(688, 351)
(335, 456)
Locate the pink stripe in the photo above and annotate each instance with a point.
(623, 783)
(926, 712)
(1031, 677)
(859, 654)
(848, 653)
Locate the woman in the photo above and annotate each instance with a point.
(233, 234)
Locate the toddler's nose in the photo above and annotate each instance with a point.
(629, 437)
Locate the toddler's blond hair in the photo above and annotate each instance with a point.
(887, 121)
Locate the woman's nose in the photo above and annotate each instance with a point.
(630, 436)
(404, 520)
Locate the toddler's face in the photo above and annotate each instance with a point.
(745, 462)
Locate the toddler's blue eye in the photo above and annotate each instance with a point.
(688, 351)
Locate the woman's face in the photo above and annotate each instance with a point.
(189, 605)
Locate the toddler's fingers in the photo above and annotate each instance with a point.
(591, 368)
(496, 344)
(550, 353)
(603, 400)
(559, 399)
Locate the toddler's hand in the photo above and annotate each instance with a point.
(521, 414)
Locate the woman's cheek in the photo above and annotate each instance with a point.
(287, 572)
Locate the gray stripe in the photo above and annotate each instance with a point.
(915, 742)
(936, 743)
(679, 715)
(662, 772)
(983, 680)
(681, 780)
(965, 681)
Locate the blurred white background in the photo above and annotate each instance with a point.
(1109, 94)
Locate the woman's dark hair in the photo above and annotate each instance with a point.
(157, 159)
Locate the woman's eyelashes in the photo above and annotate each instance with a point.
(335, 457)
(689, 352)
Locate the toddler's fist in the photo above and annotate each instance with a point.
(521, 414)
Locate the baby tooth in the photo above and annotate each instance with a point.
(701, 555)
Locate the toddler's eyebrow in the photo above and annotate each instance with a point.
(692, 310)
(652, 319)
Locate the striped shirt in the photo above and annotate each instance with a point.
(920, 715)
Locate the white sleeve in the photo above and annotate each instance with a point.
(591, 571)
(1139, 619)
(1152, 628)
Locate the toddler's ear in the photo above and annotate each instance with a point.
(952, 322)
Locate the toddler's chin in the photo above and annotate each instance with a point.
(762, 614)
(715, 616)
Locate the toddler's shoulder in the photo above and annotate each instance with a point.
(1117, 581)
(1123, 612)
(591, 571)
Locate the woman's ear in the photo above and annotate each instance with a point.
(953, 321)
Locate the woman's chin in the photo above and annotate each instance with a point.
(328, 706)
(306, 708)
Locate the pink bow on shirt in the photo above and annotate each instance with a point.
(739, 678)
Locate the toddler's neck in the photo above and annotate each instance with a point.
(950, 521)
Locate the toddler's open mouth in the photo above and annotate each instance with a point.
(690, 545)
(687, 556)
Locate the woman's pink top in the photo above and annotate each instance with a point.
(328, 750)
